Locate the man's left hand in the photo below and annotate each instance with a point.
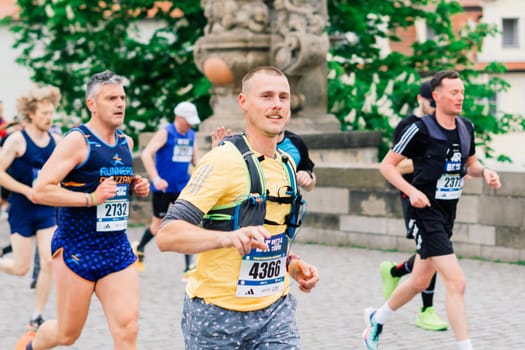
(304, 274)
(140, 186)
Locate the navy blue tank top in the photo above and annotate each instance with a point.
(26, 168)
(96, 227)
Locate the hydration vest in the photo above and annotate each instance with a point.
(250, 210)
(430, 167)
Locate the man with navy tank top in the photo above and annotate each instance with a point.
(24, 153)
(90, 177)
(167, 158)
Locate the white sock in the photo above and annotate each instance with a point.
(383, 313)
(465, 344)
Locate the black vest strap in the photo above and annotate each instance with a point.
(435, 132)
(252, 211)
(255, 180)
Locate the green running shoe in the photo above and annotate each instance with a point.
(429, 320)
(389, 283)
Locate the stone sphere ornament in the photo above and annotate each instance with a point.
(217, 71)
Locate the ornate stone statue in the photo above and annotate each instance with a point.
(231, 15)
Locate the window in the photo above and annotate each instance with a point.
(430, 33)
(493, 105)
(510, 32)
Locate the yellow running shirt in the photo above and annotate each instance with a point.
(220, 178)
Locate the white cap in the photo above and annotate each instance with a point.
(188, 111)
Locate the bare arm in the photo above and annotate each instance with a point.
(183, 237)
(147, 156)
(67, 155)
(406, 166)
(474, 168)
(389, 169)
(14, 146)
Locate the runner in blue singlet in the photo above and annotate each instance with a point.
(167, 159)
(24, 153)
(90, 176)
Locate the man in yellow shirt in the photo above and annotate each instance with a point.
(241, 284)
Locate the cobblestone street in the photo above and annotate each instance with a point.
(331, 317)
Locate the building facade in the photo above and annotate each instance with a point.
(508, 48)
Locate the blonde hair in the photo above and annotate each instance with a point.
(27, 104)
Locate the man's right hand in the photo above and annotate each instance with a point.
(246, 238)
(418, 199)
(160, 184)
(218, 135)
(106, 190)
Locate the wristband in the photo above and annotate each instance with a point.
(87, 199)
(483, 171)
(94, 199)
(156, 179)
(289, 259)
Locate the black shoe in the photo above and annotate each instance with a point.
(6, 250)
(33, 284)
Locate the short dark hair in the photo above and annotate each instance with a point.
(439, 76)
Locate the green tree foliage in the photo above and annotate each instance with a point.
(369, 90)
(65, 42)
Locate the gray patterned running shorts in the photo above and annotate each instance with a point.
(206, 326)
